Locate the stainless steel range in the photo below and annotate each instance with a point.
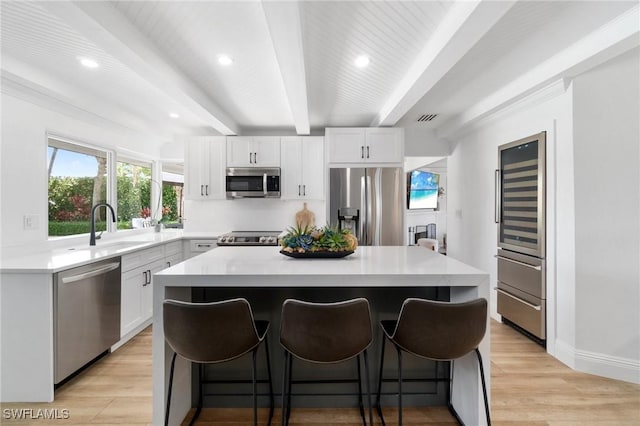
(249, 238)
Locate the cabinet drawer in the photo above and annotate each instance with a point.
(172, 260)
(142, 257)
(172, 248)
(529, 316)
(200, 246)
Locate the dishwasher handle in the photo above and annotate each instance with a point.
(98, 271)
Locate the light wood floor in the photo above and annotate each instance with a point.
(528, 388)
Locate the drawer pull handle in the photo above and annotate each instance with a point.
(536, 307)
(203, 245)
(537, 268)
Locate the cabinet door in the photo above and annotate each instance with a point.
(266, 151)
(312, 167)
(131, 299)
(146, 306)
(291, 162)
(239, 151)
(216, 168)
(196, 153)
(346, 145)
(384, 145)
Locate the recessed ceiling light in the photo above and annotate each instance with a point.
(174, 115)
(89, 63)
(362, 61)
(224, 60)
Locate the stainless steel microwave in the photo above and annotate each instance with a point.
(253, 182)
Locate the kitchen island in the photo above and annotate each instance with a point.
(384, 275)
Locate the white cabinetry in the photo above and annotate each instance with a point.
(361, 145)
(205, 168)
(257, 151)
(302, 174)
(196, 247)
(137, 283)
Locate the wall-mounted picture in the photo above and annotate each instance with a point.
(422, 190)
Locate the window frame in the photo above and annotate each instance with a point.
(113, 157)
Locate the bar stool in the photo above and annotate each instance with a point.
(209, 333)
(440, 331)
(325, 333)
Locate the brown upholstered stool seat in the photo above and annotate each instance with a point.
(325, 333)
(439, 331)
(210, 333)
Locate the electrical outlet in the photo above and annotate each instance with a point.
(31, 221)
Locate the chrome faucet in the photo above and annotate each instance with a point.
(92, 236)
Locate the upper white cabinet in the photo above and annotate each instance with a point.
(256, 151)
(302, 174)
(365, 145)
(205, 168)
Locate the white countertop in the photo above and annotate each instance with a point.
(374, 266)
(27, 259)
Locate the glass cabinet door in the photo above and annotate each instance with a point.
(522, 196)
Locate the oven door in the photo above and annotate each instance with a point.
(253, 183)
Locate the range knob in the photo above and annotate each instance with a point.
(270, 240)
(262, 240)
(230, 239)
(222, 239)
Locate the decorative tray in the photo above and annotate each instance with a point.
(317, 254)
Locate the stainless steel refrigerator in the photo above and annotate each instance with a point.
(370, 202)
(520, 214)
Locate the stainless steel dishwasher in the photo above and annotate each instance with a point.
(86, 314)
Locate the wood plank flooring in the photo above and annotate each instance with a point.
(528, 387)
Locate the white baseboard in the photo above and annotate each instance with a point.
(609, 366)
(130, 335)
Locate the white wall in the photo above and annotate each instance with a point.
(23, 167)
(247, 215)
(420, 142)
(607, 197)
(593, 230)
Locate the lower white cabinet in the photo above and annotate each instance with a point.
(137, 282)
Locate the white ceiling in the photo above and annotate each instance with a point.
(292, 62)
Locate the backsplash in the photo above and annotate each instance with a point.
(247, 214)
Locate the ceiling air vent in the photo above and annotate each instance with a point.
(427, 117)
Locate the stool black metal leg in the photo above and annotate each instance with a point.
(484, 388)
(378, 406)
(289, 385)
(271, 404)
(360, 403)
(166, 414)
(285, 370)
(255, 387)
(368, 385)
(200, 396)
(399, 386)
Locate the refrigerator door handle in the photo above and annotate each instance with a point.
(497, 197)
(363, 203)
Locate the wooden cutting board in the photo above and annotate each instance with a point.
(305, 218)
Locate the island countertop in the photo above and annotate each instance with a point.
(383, 274)
(368, 266)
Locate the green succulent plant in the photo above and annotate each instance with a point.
(328, 238)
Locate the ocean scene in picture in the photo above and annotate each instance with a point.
(423, 190)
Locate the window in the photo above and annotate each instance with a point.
(134, 194)
(172, 194)
(77, 181)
